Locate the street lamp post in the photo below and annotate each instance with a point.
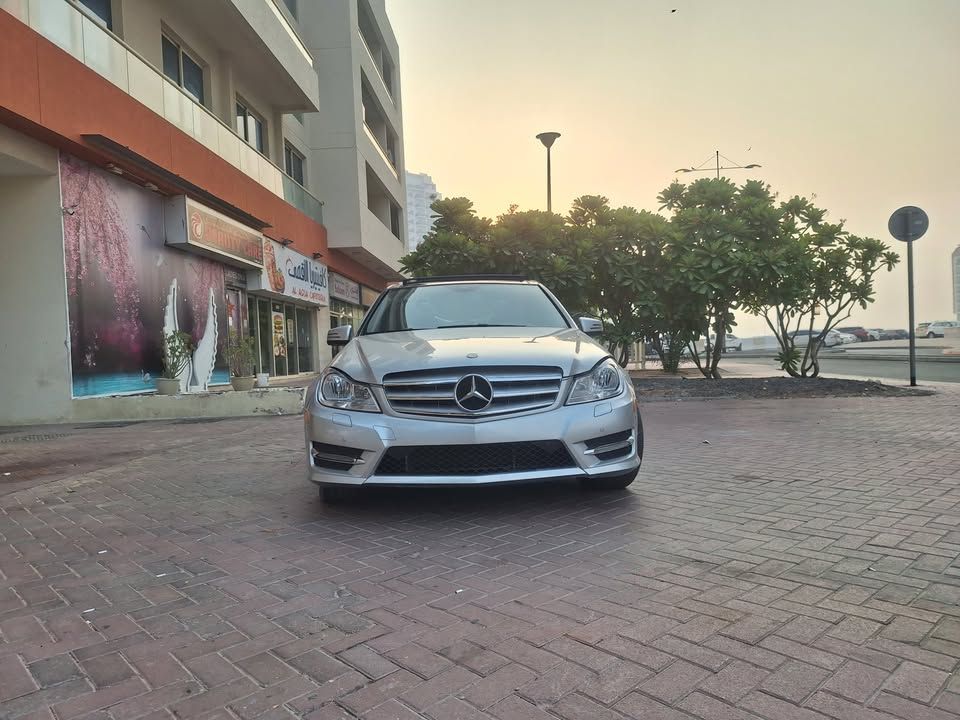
(716, 165)
(548, 138)
(716, 157)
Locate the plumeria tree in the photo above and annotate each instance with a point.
(827, 273)
(726, 251)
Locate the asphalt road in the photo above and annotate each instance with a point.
(895, 369)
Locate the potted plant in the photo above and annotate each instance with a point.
(177, 351)
(241, 359)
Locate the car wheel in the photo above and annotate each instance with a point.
(931, 335)
(612, 482)
(333, 494)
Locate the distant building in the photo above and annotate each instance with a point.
(955, 264)
(421, 192)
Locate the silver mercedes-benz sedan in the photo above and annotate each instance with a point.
(470, 380)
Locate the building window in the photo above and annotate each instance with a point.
(182, 69)
(293, 163)
(291, 6)
(100, 12)
(395, 220)
(250, 127)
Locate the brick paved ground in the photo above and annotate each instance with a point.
(800, 566)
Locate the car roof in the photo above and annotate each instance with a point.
(472, 278)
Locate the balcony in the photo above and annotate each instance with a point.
(373, 45)
(295, 194)
(378, 129)
(383, 69)
(103, 52)
(266, 47)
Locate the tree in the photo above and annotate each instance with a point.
(726, 239)
(636, 286)
(826, 273)
(454, 244)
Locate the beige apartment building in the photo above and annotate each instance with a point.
(214, 167)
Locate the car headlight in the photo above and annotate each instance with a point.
(336, 390)
(604, 381)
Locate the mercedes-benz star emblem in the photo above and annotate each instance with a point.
(473, 393)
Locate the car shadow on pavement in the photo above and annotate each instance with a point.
(555, 496)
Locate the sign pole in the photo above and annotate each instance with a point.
(913, 324)
(908, 224)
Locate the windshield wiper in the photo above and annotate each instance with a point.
(469, 325)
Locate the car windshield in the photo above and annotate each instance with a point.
(462, 305)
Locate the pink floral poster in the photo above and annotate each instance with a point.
(119, 272)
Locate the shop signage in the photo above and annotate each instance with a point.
(289, 274)
(344, 289)
(368, 296)
(234, 277)
(192, 226)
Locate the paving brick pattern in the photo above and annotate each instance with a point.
(775, 560)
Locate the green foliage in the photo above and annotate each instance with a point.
(672, 280)
(241, 355)
(789, 359)
(725, 239)
(823, 272)
(177, 351)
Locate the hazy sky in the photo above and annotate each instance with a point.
(857, 102)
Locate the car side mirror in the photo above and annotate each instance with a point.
(340, 335)
(591, 326)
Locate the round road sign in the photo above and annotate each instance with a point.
(909, 223)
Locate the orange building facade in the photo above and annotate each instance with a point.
(143, 190)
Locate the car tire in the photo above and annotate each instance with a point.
(333, 494)
(622, 481)
(931, 335)
(612, 482)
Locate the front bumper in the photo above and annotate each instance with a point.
(371, 435)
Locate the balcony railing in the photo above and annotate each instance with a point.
(382, 151)
(377, 66)
(106, 54)
(297, 195)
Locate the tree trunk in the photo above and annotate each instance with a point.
(719, 331)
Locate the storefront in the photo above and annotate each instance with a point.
(139, 266)
(345, 308)
(282, 310)
(349, 301)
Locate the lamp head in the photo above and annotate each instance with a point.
(548, 138)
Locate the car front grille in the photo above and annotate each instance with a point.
(485, 459)
(433, 392)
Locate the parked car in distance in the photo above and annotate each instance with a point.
(858, 332)
(801, 338)
(921, 330)
(874, 333)
(470, 380)
(936, 329)
(847, 338)
(894, 335)
(730, 343)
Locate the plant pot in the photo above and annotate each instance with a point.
(263, 380)
(168, 386)
(243, 383)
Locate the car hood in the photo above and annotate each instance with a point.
(368, 358)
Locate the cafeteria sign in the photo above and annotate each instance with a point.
(287, 273)
(192, 226)
(344, 289)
